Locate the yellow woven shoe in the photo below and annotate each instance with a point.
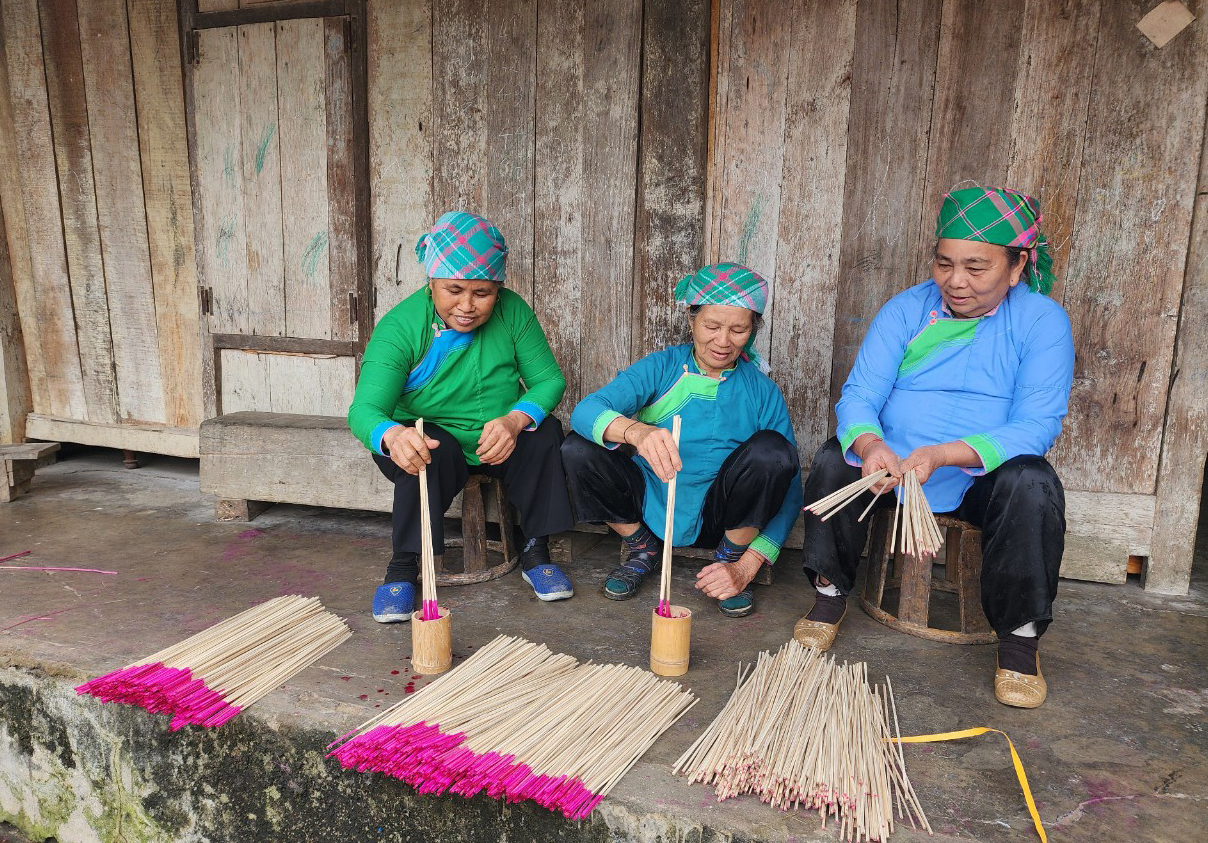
(817, 634)
(1018, 689)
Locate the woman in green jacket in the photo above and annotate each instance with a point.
(467, 356)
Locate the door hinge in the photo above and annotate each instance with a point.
(353, 308)
(207, 301)
(193, 47)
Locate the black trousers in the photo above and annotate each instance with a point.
(532, 477)
(1019, 507)
(606, 486)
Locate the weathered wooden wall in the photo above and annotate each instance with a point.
(826, 174)
(97, 208)
(527, 111)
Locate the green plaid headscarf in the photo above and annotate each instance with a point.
(727, 283)
(463, 245)
(1001, 216)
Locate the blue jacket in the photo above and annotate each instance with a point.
(999, 382)
(717, 415)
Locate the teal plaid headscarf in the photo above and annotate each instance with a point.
(727, 283)
(463, 245)
(1001, 216)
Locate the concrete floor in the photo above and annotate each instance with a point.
(1118, 752)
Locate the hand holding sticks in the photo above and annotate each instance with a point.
(431, 635)
(920, 533)
(429, 610)
(664, 607)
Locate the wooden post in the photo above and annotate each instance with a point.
(670, 642)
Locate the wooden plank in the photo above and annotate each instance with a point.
(807, 255)
(40, 198)
(1134, 210)
(612, 39)
(558, 279)
(244, 383)
(1126, 520)
(311, 460)
(147, 438)
(216, 5)
(341, 184)
(302, 112)
(261, 178)
(77, 195)
(400, 145)
(121, 211)
(287, 345)
(1052, 94)
(20, 302)
(893, 84)
(286, 383)
(15, 399)
(483, 119)
(970, 139)
(1094, 559)
(751, 159)
(670, 210)
(163, 147)
(221, 234)
(1185, 438)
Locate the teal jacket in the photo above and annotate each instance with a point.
(717, 416)
(416, 367)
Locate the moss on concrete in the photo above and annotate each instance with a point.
(76, 770)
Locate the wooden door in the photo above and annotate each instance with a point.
(274, 163)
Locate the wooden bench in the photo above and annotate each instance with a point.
(20, 463)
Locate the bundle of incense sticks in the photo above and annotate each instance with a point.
(518, 721)
(920, 533)
(210, 677)
(664, 607)
(429, 611)
(804, 732)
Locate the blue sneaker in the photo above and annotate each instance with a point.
(393, 602)
(548, 582)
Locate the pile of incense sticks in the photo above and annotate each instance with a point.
(429, 610)
(664, 606)
(210, 677)
(804, 732)
(920, 533)
(518, 721)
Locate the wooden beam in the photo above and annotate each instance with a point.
(1185, 438)
(285, 345)
(15, 399)
(148, 438)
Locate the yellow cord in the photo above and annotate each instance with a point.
(981, 730)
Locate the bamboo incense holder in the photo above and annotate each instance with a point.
(670, 642)
(431, 643)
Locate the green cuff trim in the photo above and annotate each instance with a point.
(991, 453)
(855, 432)
(765, 547)
(602, 422)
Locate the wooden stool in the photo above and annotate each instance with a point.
(474, 541)
(913, 578)
(18, 464)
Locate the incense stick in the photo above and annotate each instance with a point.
(429, 610)
(801, 731)
(664, 607)
(827, 506)
(210, 677)
(518, 721)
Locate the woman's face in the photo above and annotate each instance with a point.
(974, 277)
(719, 332)
(464, 304)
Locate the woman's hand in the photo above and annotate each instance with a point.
(877, 456)
(498, 438)
(722, 580)
(407, 449)
(924, 461)
(657, 447)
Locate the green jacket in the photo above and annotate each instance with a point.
(415, 367)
